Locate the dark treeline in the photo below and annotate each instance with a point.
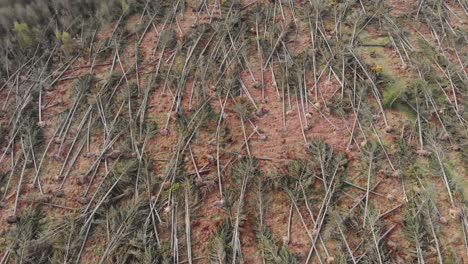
(60, 13)
(29, 27)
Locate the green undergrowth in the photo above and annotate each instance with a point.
(405, 109)
(392, 85)
(393, 91)
(458, 180)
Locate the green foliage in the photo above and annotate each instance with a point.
(243, 108)
(404, 153)
(245, 169)
(168, 39)
(24, 35)
(219, 245)
(451, 256)
(28, 125)
(125, 6)
(66, 40)
(3, 178)
(123, 179)
(132, 234)
(175, 187)
(273, 253)
(29, 246)
(130, 219)
(84, 83)
(3, 135)
(458, 180)
(412, 226)
(393, 92)
(330, 163)
(421, 221)
(231, 4)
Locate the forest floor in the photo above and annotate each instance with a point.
(296, 141)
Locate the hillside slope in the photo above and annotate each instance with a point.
(234, 132)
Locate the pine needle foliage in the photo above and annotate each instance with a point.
(273, 253)
(28, 245)
(219, 245)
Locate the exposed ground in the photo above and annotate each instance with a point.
(242, 132)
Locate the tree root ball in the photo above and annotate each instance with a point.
(211, 158)
(262, 137)
(219, 204)
(5, 150)
(166, 185)
(363, 143)
(82, 200)
(199, 181)
(82, 180)
(397, 174)
(57, 157)
(423, 153)
(389, 129)
(41, 124)
(12, 219)
(44, 198)
(58, 178)
(387, 172)
(445, 136)
(314, 232)
(59, 193)
(173, 115)
(455, 212)
(164, 132)
(443, 220)
(456, 147)
(261, 111)
(113, 154)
